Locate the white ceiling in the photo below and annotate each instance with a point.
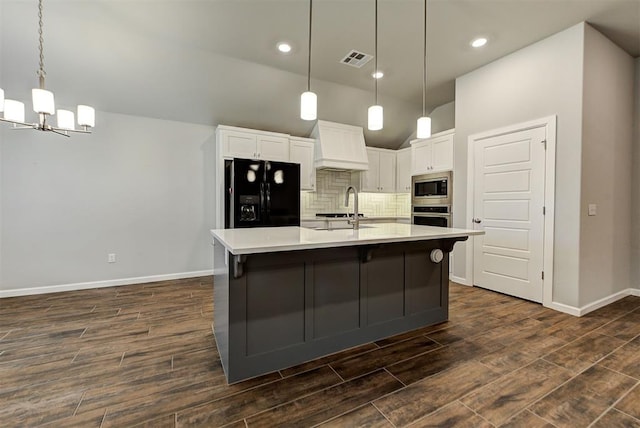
(215, 61)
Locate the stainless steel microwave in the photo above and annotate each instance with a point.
(429, 189)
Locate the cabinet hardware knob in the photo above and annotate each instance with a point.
(477, 220)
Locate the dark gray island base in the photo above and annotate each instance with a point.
(275, 310)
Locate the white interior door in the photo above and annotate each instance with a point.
(509, 174)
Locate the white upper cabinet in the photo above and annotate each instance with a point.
(237, 144)
(369, 178)
(442, 155)
(381, 176)
(301, 150)
(432, 154)
(403, 170)
(274, 148)
(387, 177)
(252, 144)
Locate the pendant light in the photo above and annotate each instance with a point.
(43, 104)
(375, 114)
(308, 99)
(424, 122)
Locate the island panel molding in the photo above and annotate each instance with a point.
(278, 308)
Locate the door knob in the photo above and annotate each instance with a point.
(477, 220)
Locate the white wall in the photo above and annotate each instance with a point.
(635, 187)
(540, 80)
(607, 137)
(141, 188)
(2, 131)
(442, 117)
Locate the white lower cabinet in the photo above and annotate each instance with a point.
(301, 151)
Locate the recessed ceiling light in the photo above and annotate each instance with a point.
(479, 42)
(284, 47)
(377, 74)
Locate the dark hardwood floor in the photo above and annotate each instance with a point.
(145, 355)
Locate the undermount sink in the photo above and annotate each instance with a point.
(340, 228)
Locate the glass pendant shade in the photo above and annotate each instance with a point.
(375, 116)
(43, 101)
(1, 100)
(86, 116)
(66, 119)
(424, 127)
(308, 106)
(14, 110)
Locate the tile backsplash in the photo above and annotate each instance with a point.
(329, 197)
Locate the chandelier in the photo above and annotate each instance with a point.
(44, 106)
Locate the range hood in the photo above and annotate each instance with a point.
(339, 147)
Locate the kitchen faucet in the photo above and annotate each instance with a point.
(356, 218)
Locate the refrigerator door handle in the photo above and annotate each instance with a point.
(262, 199)
(268, 196)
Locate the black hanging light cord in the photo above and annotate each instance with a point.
(309, 63)
(376, 54)
(424, 72)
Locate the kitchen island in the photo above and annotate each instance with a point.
(286, 295)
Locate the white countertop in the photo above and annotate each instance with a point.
(273, 239)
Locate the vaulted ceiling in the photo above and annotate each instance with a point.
(215, 61)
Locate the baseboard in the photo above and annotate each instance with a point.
(561, 307)
(578, 312)
(609, 299)
(101, 284)
(459, 280)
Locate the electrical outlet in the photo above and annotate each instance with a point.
(593, 209)
(111, 258)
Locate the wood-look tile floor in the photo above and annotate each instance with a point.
(145, 355)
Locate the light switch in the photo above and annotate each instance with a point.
(593, 209)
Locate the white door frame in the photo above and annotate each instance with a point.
(549, 123)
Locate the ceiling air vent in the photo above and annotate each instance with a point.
(356, 59)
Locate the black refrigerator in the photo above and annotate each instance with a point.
(261, 193)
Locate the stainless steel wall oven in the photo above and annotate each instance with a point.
(436, 215)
